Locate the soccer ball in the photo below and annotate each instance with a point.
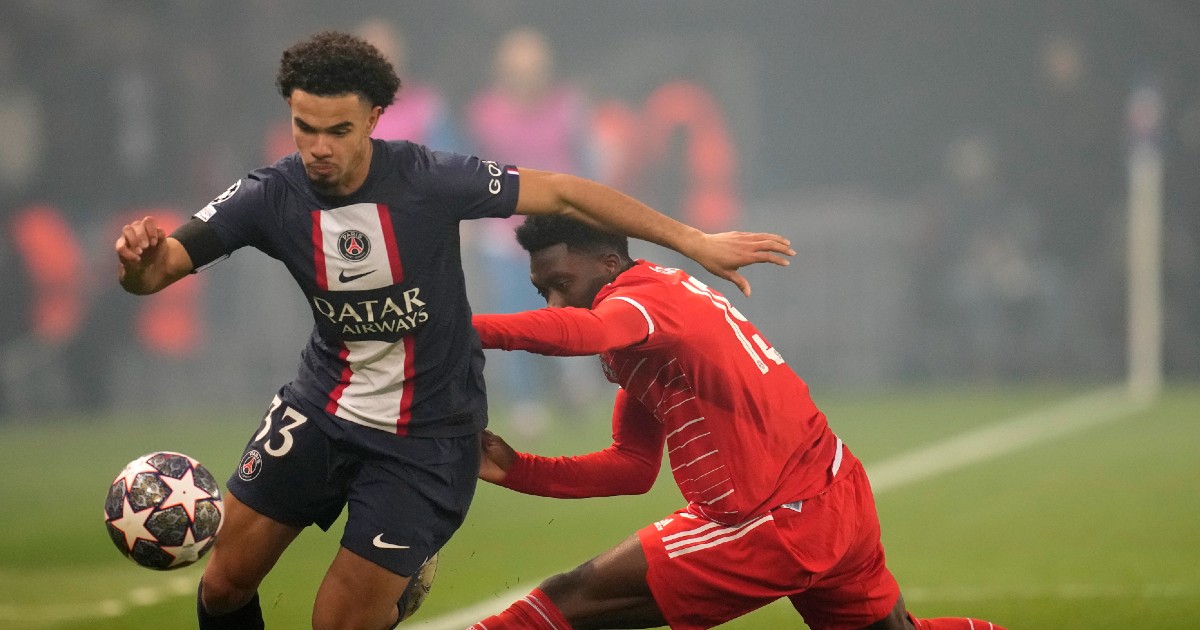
(164, 510)
(418, 588)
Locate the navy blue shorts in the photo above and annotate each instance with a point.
(406, 496)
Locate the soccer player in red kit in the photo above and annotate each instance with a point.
(777, 506)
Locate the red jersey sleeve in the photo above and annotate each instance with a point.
(629, 466)
(611, 325)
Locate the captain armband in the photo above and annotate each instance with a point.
(201, 242)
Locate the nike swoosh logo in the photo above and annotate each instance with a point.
(378, 541)
(344, 278)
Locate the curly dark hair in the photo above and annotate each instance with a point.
(332, 63)
(540, 231)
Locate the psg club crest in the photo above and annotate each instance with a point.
(353, 245)
(251, 465)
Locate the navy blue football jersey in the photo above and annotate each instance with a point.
(392, 347)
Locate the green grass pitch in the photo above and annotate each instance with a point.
(1096, 529)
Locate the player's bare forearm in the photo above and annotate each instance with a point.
(603, 207)
(143, 281)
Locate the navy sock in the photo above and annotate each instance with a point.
(248, 617)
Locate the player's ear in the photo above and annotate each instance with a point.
(373, 118)
(612, 263)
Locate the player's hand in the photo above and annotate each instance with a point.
(147, 261)
(139, 244)
(724, 253)
(496, 458)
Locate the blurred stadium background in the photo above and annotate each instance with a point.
(962, 182)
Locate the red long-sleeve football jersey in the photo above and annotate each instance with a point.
(741, 432)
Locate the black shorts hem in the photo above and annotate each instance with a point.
(273, 512)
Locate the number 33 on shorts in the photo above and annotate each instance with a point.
(289, 421)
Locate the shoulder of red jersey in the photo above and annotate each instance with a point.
(643, 279)
(649, 288)
(641, 276)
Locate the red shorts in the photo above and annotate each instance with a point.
(825, 557)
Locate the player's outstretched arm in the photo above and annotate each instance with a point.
(628, 466)
(605, 208)
(566, 332)
(150, 260)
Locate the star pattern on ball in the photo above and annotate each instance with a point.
(133, 524)
(134, 469)
(185, 492)
(186, 553)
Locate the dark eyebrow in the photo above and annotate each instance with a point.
(342, 126)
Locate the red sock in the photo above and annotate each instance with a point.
(953, 623)
(534, 612)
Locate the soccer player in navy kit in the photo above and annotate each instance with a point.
(386, 411)
(777, 506)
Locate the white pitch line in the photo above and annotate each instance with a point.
(972, 447)
(1003, 437)
(32, 616)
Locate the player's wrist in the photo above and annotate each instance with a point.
(132, 279)
(692, 243)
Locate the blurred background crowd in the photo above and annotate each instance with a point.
(953, 176)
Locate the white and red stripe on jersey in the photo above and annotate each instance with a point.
(375, 386)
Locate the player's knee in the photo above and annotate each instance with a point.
(564, 585)
(220, 595)
(568, 590)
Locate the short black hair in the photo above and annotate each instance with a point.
(333, 63)
(540, 231)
